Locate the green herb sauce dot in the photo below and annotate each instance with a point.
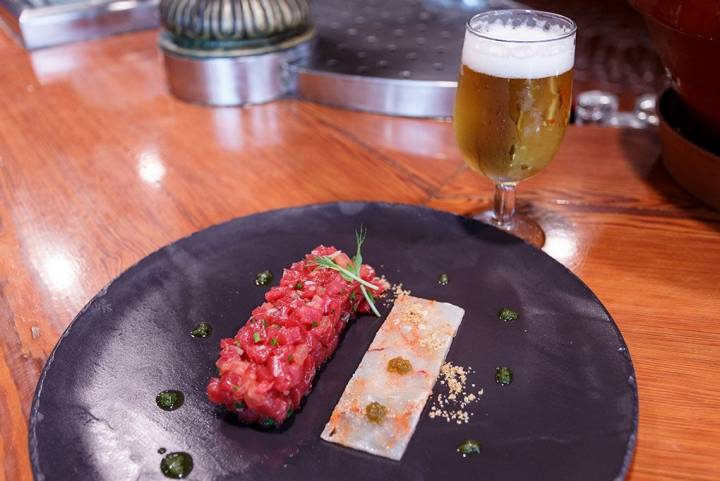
(469, 446)
(169, 400)
(399, 365)
(376, 412)
(507, 315)
(503, 375)
(202, 330)
(264, 278)
(443, 280)
(176, 465)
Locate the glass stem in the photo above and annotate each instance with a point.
(504, 204)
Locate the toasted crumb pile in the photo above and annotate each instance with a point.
(395, 291)
(398, 290)
(451, 405)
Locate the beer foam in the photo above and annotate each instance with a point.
(519, 51)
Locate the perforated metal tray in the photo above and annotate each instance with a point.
(397, 57)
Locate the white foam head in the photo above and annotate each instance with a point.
(519, 51)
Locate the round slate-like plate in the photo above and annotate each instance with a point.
(570, 414)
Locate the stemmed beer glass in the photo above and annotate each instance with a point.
(513, 103)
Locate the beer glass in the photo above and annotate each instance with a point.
(513, 103)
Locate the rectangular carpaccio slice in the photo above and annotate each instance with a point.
(269, 366)
(381, 405)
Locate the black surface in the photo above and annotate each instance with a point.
(673, 110)
(570, 414)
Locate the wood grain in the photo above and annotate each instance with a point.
(99, 166)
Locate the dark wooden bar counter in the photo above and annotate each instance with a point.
(99, 166)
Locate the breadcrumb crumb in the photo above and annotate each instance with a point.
(396, 291)
(451, 405)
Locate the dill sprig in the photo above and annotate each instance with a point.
(354, 272)
(357, 264)
(328, 263)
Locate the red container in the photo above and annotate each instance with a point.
(686, 34)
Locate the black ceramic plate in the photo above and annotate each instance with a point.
(570, 414)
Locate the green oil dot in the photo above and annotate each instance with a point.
(170, 400)
(503, 375)
(469, 446)
(507, 315)
(176, 465)
(264, 278)
(202, 330)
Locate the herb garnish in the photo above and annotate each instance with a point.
(354, 272)
(267, 422)
(256, 337)
(273, 341)
(443, 280)
(299, 285)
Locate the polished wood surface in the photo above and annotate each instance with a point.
(99, 166)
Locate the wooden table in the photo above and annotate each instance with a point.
(99, 166)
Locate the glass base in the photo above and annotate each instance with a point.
(521, 226)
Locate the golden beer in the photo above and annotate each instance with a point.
(509, 129)
(513, 103)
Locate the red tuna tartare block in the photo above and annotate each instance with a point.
(268, 367)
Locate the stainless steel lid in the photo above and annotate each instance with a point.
(397, 57)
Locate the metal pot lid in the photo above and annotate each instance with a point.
(397, 57)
